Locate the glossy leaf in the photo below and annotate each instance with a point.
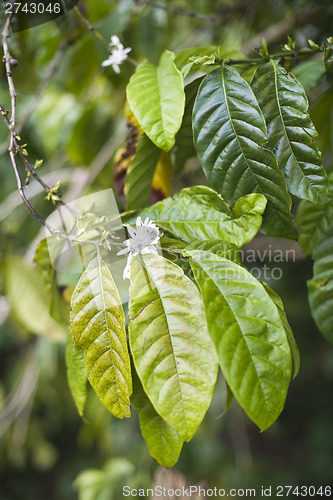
(98, 328)
(290, 131)
(163, 441)
(229, 135)
(184, 147)
(172, 352)
(76, 374)
(290, 337)
(140, 174)
(156, 97)
(320, 287)
(314, 220)
(248, 334)
(199, 213)
(26, 292)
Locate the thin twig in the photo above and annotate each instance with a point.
(97, 34)
(90, 27)
(12, 121)
(15, 146)
(278, 31)
(35, 100)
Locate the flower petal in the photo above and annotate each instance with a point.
(123, 251)
(107, 62)
(132, 231)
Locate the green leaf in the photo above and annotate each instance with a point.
(59, 310)
(220, 248)
(290, 131)
(308, 73)
(26, 291)
(76, 374)
(248, 334)
(314, 220)
(168, 243)
(97, 324)
(172, 352)
(320, 287)
(140, 174)
(184, 147)
(199, 213)
(163, 441)
(157, 99)
(183, 57)
(229, 135)
(290, 337)
(43, 262)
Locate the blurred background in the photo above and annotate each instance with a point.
(71, 114)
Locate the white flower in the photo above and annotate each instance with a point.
(141, 241)
(118, 54)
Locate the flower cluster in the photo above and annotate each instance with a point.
(141, 241)
(117, 54)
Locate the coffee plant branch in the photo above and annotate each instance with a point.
(15, 148)
(51, 70)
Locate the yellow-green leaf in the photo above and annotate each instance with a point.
(172, 352)
(98, 328)
(156, 97)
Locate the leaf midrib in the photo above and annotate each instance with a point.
(151, 278)
(234, 130)
(119, 391)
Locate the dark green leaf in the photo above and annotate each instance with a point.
(291, 131)
(140, 174)
(248, 334)
(184, 147)
(76, 374)
(321, 286)
(229, 135)
(314, 220)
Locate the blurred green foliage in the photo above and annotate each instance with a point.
(46, 450)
